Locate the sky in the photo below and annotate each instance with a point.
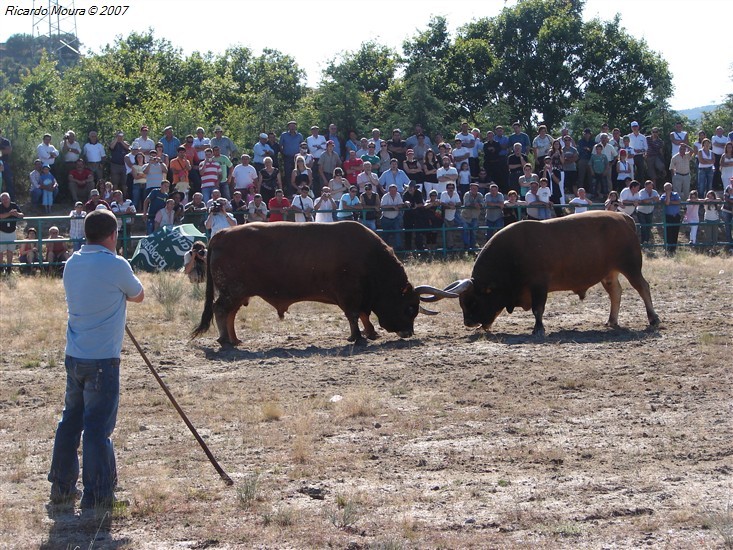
(324, 28)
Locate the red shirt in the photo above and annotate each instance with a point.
(273, 204)
(356, 164)
(80, 176)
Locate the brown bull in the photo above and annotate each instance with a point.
(526, 260)
(343, 264)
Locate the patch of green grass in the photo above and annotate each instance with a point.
(247, 491)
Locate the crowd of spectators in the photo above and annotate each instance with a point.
(417, 182)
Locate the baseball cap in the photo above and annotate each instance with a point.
(94, 193)
(263, 135)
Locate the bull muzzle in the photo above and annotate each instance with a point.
(454, 290)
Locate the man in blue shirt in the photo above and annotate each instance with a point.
(671, 202)
(519, 137)
(98, 285)
(290, 143)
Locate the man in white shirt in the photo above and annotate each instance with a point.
(580, 203)
(391, 221)
(648, 197)
(257, 209)
(638, 143)
(144, 143)
(678, 136)
(718, 141)
(446, 174)
(201, 143)
(243, 177)
(47, 153)
(367, 176)
(629, 196)
(95, 154)
(450, 201)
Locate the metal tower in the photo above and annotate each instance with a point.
(57, 23)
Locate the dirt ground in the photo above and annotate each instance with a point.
(590, 438)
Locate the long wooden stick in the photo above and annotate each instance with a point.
(213, 461)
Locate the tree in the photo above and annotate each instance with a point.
(370, 69)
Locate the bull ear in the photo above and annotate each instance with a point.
(406, 289)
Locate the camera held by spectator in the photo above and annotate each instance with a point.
(194, 263)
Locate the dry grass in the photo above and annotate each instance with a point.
(451, 439)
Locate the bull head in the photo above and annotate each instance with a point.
(431, 294)
(480, 306)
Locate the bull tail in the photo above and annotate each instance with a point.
(208, 313)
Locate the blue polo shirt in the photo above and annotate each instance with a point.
(290, 143)
(671, 209)
(97, 283)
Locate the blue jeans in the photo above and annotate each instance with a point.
(704, 181)
(493, 226)
(727, 219)
(90, 406)
(206, 192)
(392, 239)
(469, 232)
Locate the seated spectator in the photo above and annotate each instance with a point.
(302, 205)
(48, 185)
(81, 181)
(28, 252)
(156, 200)
(194, 212)
(238, 207)
(166, 216)
(325, 206)
(35, 187)
(56, 252)
(580, 203)
(219, 218)
(278, 206)
(194, 263)
(257, 209)
(76, 225)
(94, 202)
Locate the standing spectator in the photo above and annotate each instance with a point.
(244, 178)
(300, 176)
(430, 166)
(671, 201)
(414, 139)
(397, 147)
(269, 180)
(290, 145)
(226, 166)
(711, 217)
(316, 144)
(352, 167)
(599, 168)
(726, 212)
(526, 179)
(680, 168)
(648, 198)
(226, 146)
(372, 156)
(118, 149)
(261, 150)
(179, 169)
(515, 165)
(512, 207)
(7, 182)
(156, 200)
(210, 171)
(339, 184)
(219, 218)
(705, 168)
(536, 209)
(276, 149)
(629, 196)
(655, 157)
(170, 145)
(467, 139)
(329, 161)
(155, 172)
(519, 137)
(46, 152)
(726, 163)
(48, 186)
(325, 206)
(391, 206)
(412, 167)
(623, 171)
(678, 136)
(257, 209)
(352, 144)
(95, 155)
(384, 158)
(332, 135)
(570, 157)
(194, 176)
(446, 175)
(302, 205)
(586, 144)
(139, 178)
(638, 142)
(81, 181)
(98, 284)
(124, 211)
(494, 203)
(718, 142)
(541, 146)
(473, 203)
(369, 207)
(278, 206)
(394, 176)
(368, 177)
(144, 143)
(692, 216)
(70, 153)
(349, 204)
(422, 146)
(450, 201)
(494, 162)
(414, 216)
(10, 213)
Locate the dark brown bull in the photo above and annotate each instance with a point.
(526, 260)
(341, 263)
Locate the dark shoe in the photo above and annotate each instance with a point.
(62, 497)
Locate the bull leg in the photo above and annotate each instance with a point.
(642, 287)
(539, 299)
(355, 335)
(225, 312)
(369, 331)
(613, 287)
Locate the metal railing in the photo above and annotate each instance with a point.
(440, 240)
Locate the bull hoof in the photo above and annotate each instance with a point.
(538, 333)
(654, 321)
(372, 335)
(613, 326)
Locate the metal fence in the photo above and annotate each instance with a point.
(438, 241)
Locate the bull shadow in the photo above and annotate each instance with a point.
(564, 336)
(71, 530)
(241, 353)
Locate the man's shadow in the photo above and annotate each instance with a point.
(73, 530)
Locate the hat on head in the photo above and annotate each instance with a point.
(77, 203)
(143, 127)
(94, 193)
(634, 124)
(292, 122)
(473, 183)
(391, 185)
(218, 129)
(314, 127)
(263, 135)
(199, 129)
(167, 128)
(330, 142)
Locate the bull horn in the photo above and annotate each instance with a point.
(433, 294)
(453, 290)
(427, 311)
